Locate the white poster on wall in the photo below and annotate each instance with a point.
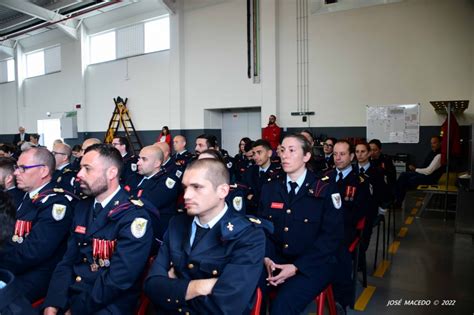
(394, 123)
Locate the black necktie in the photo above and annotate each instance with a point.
(261, 173)
(292, 193)
(339, 178)
(362, 170)
(200, 232)
(97, 208)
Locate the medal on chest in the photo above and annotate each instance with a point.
(350, 193)
(22, 230)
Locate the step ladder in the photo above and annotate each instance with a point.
(121, 116)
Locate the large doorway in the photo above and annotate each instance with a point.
(239, 123)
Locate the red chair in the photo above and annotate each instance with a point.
(326, 296)
(354, 249)
(258, 303)
(144, 301)
(37, 303)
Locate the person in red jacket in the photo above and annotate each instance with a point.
(165, 136)
(272, 132)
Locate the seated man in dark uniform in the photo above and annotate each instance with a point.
(108, 246)
(12, 300)
(155, 184)
(42, 224)
(212, 257)
(259, 174)
(379, 159)
(8, 182)
(129, 159)
(181, 155)
(64, 176)
(429, 173)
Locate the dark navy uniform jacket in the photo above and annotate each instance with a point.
(255, 181)
(356, 200)
(386, 164)
(379, 189)
(308, 231)
(182, 159)
(12, 301)
(109, 290)
(129, 167)
(33, 260)
(236, 199)
(233, 251)
(241, 165)
(162, 191)
(65, 178)
(16, 195)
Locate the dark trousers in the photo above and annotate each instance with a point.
(342, 285)
(294, 295)
(410, 180)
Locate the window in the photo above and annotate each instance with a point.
(131, 40)
(35, 64)
(7, 70)
(102, 47)
(157, 35)
(43, 61)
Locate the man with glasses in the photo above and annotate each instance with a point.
(42, 224)
(64, 176)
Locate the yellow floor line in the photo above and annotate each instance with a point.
(364, 298)
(381, 269)
(414, 211)
(394, 247)
(403, 232)
(409, 220)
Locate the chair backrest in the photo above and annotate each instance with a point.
(258, 303)
(452, 179)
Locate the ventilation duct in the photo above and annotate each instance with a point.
(329, 6)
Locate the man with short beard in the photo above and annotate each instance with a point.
(108, 247)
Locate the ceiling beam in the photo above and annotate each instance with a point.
(170, 5)
(67, 25)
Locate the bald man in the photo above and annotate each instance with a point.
(64, 176)
(153, 183)
(181, 155)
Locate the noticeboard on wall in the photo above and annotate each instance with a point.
(394, 123)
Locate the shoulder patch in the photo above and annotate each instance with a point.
(237, 203)
(58, 212)
(137, 202)
(138, 227)
(170, 182)
(133, 167)
(336, 200)
(229, 165)
(178, 173)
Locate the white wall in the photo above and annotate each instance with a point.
(56, 92)
(9, 116)
(144, 80)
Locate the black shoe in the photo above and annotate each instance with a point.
(340, 310)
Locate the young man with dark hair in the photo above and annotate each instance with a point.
(259, 174)
(108, 246)
(212, 257)
(379, 159)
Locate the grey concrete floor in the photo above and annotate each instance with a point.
(432, 265)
